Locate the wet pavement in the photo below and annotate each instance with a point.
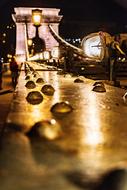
(44, 150)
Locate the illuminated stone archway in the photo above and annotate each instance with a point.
(25, 28)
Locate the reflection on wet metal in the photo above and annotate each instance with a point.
(93, 133)
(48, 129)
(125, 98)
(78, 80)
(93, 136)
(40, 80)
(61, 108)
(68, 75)
(30, 84)
(36, 112)
(56, 84)
(99, 88)
(46, 77)
(34, 97)
(48, 90)
(98, 83)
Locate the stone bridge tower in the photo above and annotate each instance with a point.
(25, 28)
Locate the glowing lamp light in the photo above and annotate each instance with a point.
(9, 55)
(29, 42)
(55, 52)
(37, 17)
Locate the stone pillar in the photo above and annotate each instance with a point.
(23, 20)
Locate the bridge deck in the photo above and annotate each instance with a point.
(92, 139)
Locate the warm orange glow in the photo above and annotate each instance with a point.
(29, 42)
(94, 134)
(36, 112)
(25, 13)
(37, 17)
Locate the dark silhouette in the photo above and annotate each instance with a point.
(14, 71)
(114, 53)
(124, 46)
(69, 58)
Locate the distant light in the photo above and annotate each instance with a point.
(2, 59)
(29, 42)
(4, 34)
(55, 52)
(37, 17)
(82, 68)
(9, 56)
(46, 55)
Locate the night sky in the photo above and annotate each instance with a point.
(105, 10)
(73, 10)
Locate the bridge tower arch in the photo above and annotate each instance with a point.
(26, 30)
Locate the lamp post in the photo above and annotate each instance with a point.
(37, 19)
(38, 43)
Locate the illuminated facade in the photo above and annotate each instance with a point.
(26, 30)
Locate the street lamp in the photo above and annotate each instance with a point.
(37, 19)
(38, 43)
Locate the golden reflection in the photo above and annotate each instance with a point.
(55, 83)
(52, 79)
(50, 129)
(95, 162)
(93, 134)
(46, 76)
(36, 112)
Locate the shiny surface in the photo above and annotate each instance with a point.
(93, 136)
(47, 129)
(34, 97)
